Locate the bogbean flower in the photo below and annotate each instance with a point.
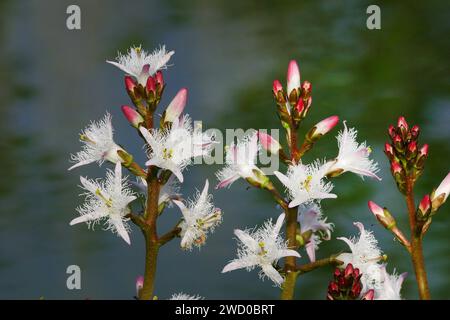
(305, 183)
(240, 162)
(184, 296)
(391, 285)
(261, 248)
(174, 147)
(98, 144)
(352, 156)
(108, 200)
(140, 64)
(199, 217)
(310, 219)
(365, 255)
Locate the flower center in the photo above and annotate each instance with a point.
(167, 154)
(138, 51)
(307, 183)
(262, 252)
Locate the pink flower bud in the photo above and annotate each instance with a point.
(425, 204)
(397, 139)
(326, 125)
(402, 124)
(415, 132)
(391, 131)
(176, 106)
(139, 284)
(276, 87)
(412, 147)
(293, 77)
(369, 295)
(423, 152)
(269, 143)
(159, 78)
(306, 88)
(151, 85)
(376, 209)
(300, 106)
(348, 270)
(389, 150)
(130, 84)
(396, 167)
(133, 117)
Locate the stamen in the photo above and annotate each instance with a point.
(108, 202)
(85, 138)
(307, 183)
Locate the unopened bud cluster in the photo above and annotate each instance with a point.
(296, 100)
(406, 158)
(347, 285)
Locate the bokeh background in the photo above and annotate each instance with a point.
(54, 81)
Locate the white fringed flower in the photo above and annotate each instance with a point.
(365, 255)
(305, 183)
(352, 156)
(199, 217)
(184, 296)
(108, 200)
(173, 148)
(140, 64)
(391, 285)
(310, 219)
(98, 144)
(261, 248)
(240, 161)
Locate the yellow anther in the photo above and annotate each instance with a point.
(167, 153)
(307, 183)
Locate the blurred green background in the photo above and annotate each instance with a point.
(54, 81)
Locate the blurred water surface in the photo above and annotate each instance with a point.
(54, 81)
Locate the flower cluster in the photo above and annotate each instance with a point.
(367, 257)
(171, 148)
(306, 184)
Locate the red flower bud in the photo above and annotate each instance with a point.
(392, 132)
(369, 295)
(276, 87)
(389, 151)
(159, 78)
(306, 89)
(300, 106)
(130, 84)
(415, 132)
(151, 85)
(396, 167)
(412, 147)
(348, 270)
(423, 152)
(425, 203)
